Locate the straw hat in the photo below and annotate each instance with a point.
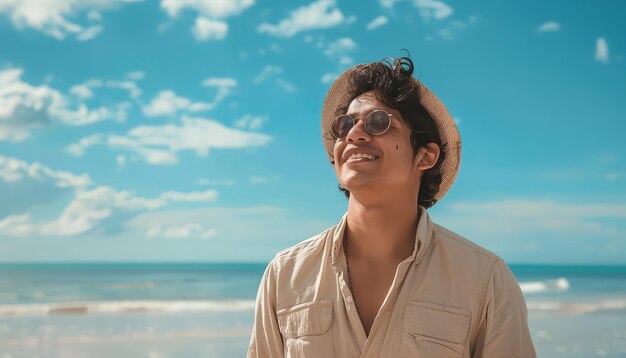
(338, 94)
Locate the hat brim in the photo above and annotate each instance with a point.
(338, 95)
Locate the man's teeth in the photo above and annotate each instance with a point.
(361, 156)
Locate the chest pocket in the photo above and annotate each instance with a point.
(434, 331)
(306, 329)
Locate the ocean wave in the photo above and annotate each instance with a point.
(107, 307)
(560, 284)
(560, 307)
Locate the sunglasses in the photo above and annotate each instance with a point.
(376, 123)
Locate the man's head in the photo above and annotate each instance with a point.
(410, 152)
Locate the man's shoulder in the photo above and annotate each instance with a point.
(307, 249)
(459, 245)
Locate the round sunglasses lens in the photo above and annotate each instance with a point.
(342, 125)
(377, 122)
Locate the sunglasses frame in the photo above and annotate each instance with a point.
(354, 121)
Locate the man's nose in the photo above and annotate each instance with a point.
(358, 132)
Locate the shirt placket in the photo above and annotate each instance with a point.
(379, 329)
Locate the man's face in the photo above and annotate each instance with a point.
(393, 165)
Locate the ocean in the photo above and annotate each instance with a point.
(206, 310)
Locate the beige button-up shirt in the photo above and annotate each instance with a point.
(450, 298)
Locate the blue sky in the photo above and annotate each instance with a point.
(188, 130)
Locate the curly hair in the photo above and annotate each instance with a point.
(390, 79)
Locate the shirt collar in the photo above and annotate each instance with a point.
(423, 236)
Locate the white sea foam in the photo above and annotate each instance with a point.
(107, 307)
(574, 307)
(560, 284)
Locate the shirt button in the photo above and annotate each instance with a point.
(349, 299)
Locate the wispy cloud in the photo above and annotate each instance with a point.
(24, 107)
(271, 71)
(53, 17)
(167, 103)
(538, 218)
(250, 122)
(208, 8)
(224, 86)
(207, 29)
(185, 231)
(91, 208)
(602, 50)
(428, 9)
(377, 22)
(267, 72)
(550, 26)
(14, 170)
(28, 185)
(78, 149)
(215, 182)
(102, 207)
(321, 14)
(159, 144)
(340, 50)
(209, 23)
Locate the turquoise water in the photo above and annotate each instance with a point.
(205, 310)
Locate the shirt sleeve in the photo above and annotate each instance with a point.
(266, 340)
(504, 330)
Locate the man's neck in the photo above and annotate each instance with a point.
(381, 232)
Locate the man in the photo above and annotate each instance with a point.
(386, 281)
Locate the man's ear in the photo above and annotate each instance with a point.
(430, 155)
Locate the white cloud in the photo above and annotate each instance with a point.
(270, 71)
(238, 227)
(452, 28)
(14, 170)
(89, 33)
(340, 50)
(208, 24)
(250, 122)
(224, 86)
(540, 218)
(135, 75)
(81, 91)
(132, 88)
(103, 206)
(549, 26)
(428, 9)
(321, 14)
(24, 107)
(213, 182)
(167, 103)
(433, 9)
(602, 50)
(16, 225)
(207, 29)
(94, 15)
(377, 22)
(159, 144)
(25, 186)
(189, 230)
(329, 77)
(194, 196)
(267, 72)
(286, 85)
(52, 17)
(78, 149)
(120, 160)
(258, 180)
(208, 8)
